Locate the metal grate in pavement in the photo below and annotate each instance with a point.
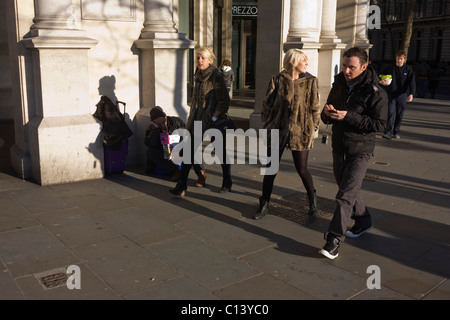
(295, 208)
(381, 163)
(53, 278)
(372, 177)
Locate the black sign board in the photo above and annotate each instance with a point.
(244, 11)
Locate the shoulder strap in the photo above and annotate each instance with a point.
(277, 85)
(124, 106)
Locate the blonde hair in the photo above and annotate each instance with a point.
(293, 57)
(208, 53)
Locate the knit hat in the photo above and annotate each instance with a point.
(156, 112)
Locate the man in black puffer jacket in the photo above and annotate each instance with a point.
(357, 107)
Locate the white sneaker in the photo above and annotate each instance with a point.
(356, 231)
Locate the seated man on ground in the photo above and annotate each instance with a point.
(160, 123)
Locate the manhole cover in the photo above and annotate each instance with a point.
(295, 208)
(53, 278)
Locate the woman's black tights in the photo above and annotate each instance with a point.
(301, 165)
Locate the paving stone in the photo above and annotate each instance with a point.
(234, 237)
(140, 226)
(123, 265)
(417, 229)
(91, 288)
(442, 292)
(380, 294)
(262, 287)
(75, 227)
(309, 273)
(40, 200)
(9, 182)
(292, 236)
(33, 250)
(161, 209)
(9, 290)
(88, 197)
(396, 246)
(177, 289)
(437, 259)
(14, 216)
(396, 274)
(117, 189)
(205, 265)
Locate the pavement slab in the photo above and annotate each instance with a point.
(123, 265)
(202, 263)
(133, 240)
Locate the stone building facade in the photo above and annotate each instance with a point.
(431, 28)
(62, 55)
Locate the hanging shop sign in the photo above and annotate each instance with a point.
(244, 11)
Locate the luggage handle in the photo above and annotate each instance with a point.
(124, 106)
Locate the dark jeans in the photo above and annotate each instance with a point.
(396, 109)
(349, 172)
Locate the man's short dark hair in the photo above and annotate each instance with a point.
(357, 52)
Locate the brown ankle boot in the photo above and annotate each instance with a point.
(201, 179)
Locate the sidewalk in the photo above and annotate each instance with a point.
(133, 240)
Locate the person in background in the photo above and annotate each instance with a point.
(400, 91)
(295, 112)
(357, 108)
(228, 74)
(160, 123)
(209, 105)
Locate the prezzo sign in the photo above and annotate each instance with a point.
(244, 11)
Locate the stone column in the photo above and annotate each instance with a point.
(330, 52)
(304, 30)
(52, 15)
(361, 40)
(18, 56)
(163, 67)
(227, 29)
(302, 22)
(158, 17)
(64, 139)
(269, 51)
(328, 30)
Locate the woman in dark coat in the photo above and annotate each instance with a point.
(210, 103)
(295, 113)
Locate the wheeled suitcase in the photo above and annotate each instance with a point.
(115, 159)
(115, 134)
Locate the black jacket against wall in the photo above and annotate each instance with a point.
(367, 110)
(403, 80)
(152, 135)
